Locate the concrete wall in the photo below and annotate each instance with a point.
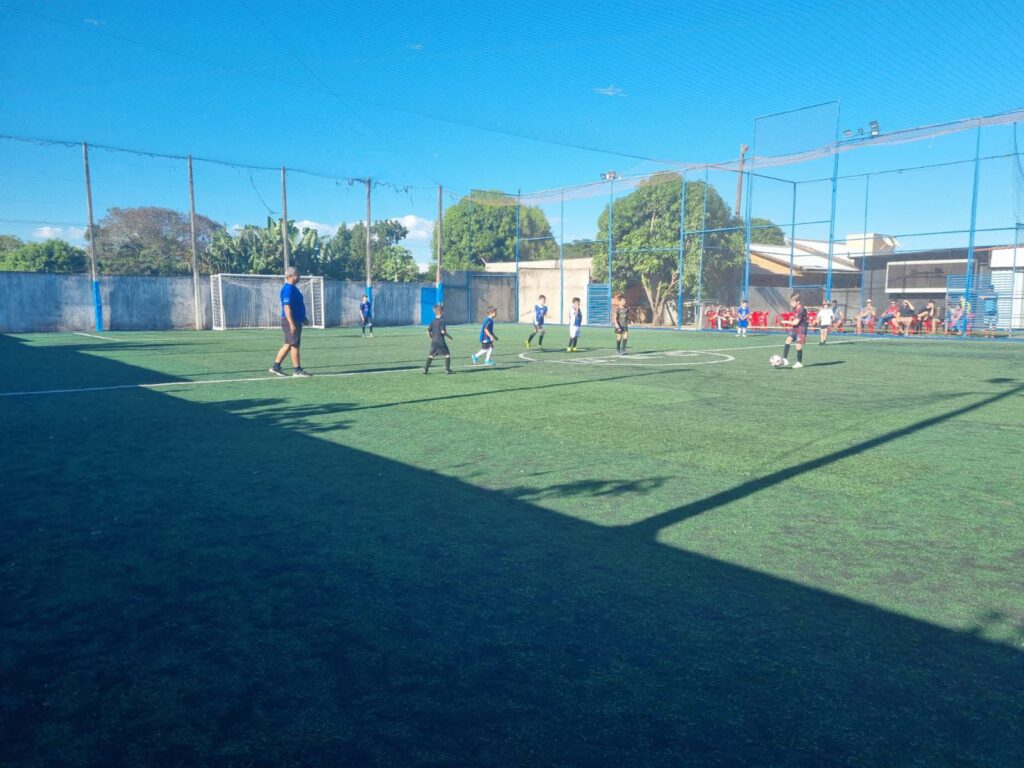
(31, 302)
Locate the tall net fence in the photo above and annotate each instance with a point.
(856, 216)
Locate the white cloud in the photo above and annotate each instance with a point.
(419, 228)
(611, 90)
(61, 233)
(324, 230)
(93, 22)
(414, 46)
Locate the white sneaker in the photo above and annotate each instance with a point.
(785, 363)
(798, 365)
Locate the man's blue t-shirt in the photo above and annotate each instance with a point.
(364, 308)
(292, 297)
(538, 314)
(487, 326)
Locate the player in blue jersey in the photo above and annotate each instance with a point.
(742, 318)
(797, 331)
(293, 315)
(487, 338)
(575, 323)
(366, 315)
(438, 333)
(540, 311)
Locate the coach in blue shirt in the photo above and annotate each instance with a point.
(293, 315)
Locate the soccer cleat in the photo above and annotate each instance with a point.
(299, 373)
(785, 363)
(449, 371)
(568, 349)
(526, 343)
(490, 362)
(474, 359)
(798, 364)
(276, 370)
(371, 334)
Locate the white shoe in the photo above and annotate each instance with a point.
(798, 365)
(785, 363)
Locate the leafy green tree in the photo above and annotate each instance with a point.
(481, 229)
(259, 250)
(150, 241)
(766, 232)
(646, 241)
(48, 256)
(344, 254)
(9, 243)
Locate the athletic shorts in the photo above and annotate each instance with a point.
(798, 334)
(292, 339)
(538, 327)
(438, 349)
(574, 331)
(742, 323)
(623, 329)
(486, 344)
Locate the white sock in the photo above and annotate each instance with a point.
(480, 352)
(489, 350)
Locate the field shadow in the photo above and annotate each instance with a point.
(192, 586)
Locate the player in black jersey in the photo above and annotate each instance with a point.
(797, 331)
(438, 332)
(620, 321)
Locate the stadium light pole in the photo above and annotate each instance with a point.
(610, 177)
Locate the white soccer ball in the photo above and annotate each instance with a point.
(776, 361)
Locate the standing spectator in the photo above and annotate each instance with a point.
(824, 321)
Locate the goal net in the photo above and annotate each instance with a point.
(254, 301)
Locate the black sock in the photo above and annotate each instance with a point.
(531, 337)
(447, 363)
(799, 355)
(624, 344)
(618, 345)
(427, 366)
(785, 352)
(540, 341)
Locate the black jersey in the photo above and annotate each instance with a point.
(622, 317)
(437, 329)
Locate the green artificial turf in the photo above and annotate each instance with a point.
(679, 558)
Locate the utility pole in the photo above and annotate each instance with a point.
(739, 179)
(97, 301)
(195, 258)
(369, 266)
(439, 282)
(284, 218)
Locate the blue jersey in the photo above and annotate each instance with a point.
(538, 314)
(743, 313)
(291, 296)
(575, 318)
(488, 326)
(365, 309)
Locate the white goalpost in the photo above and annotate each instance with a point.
(254, 301)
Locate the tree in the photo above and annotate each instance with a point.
(151, 241)
(344, 255)
(9, 243)
(48, 256)
(259, 250)
(645, 227)
(766, 232)
(481, 229)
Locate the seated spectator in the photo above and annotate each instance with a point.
(865, 317)
(956, 319)
(906, 317)
(890, 314)
(926, 317)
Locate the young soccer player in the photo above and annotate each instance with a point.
(825, 318)
(540, 311)
(621, 324)
(293, 315)
(487, 338)
(438, 332)
(797, 331)
(366, 313)
(742, 318)
(575, 323)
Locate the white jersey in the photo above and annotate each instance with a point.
(825, 317)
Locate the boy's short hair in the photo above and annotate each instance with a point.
(575, 299)
(492, 310)
(438, 308)
(794, 297)
(620, 296)
(542, 296)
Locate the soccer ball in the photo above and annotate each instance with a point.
(776, 361)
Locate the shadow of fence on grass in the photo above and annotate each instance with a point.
(184, 585)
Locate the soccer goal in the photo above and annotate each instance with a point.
(254, 301)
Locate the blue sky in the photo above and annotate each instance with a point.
(469, 95)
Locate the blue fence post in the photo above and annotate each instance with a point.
(970, 242)
(519, 202)
(682, 249)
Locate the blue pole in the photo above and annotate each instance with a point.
(863, 240)
(97, 305)
(700, 263)
(518, 205)
(792, 237)
(832, 226)
(682, 249)
(611, 245)
(970, 242)
(561, 259)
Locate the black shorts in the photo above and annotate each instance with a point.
(486, 344)
(438, 349)
(538, 327)
(292, 339)
(622, 329)
(798, 333)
